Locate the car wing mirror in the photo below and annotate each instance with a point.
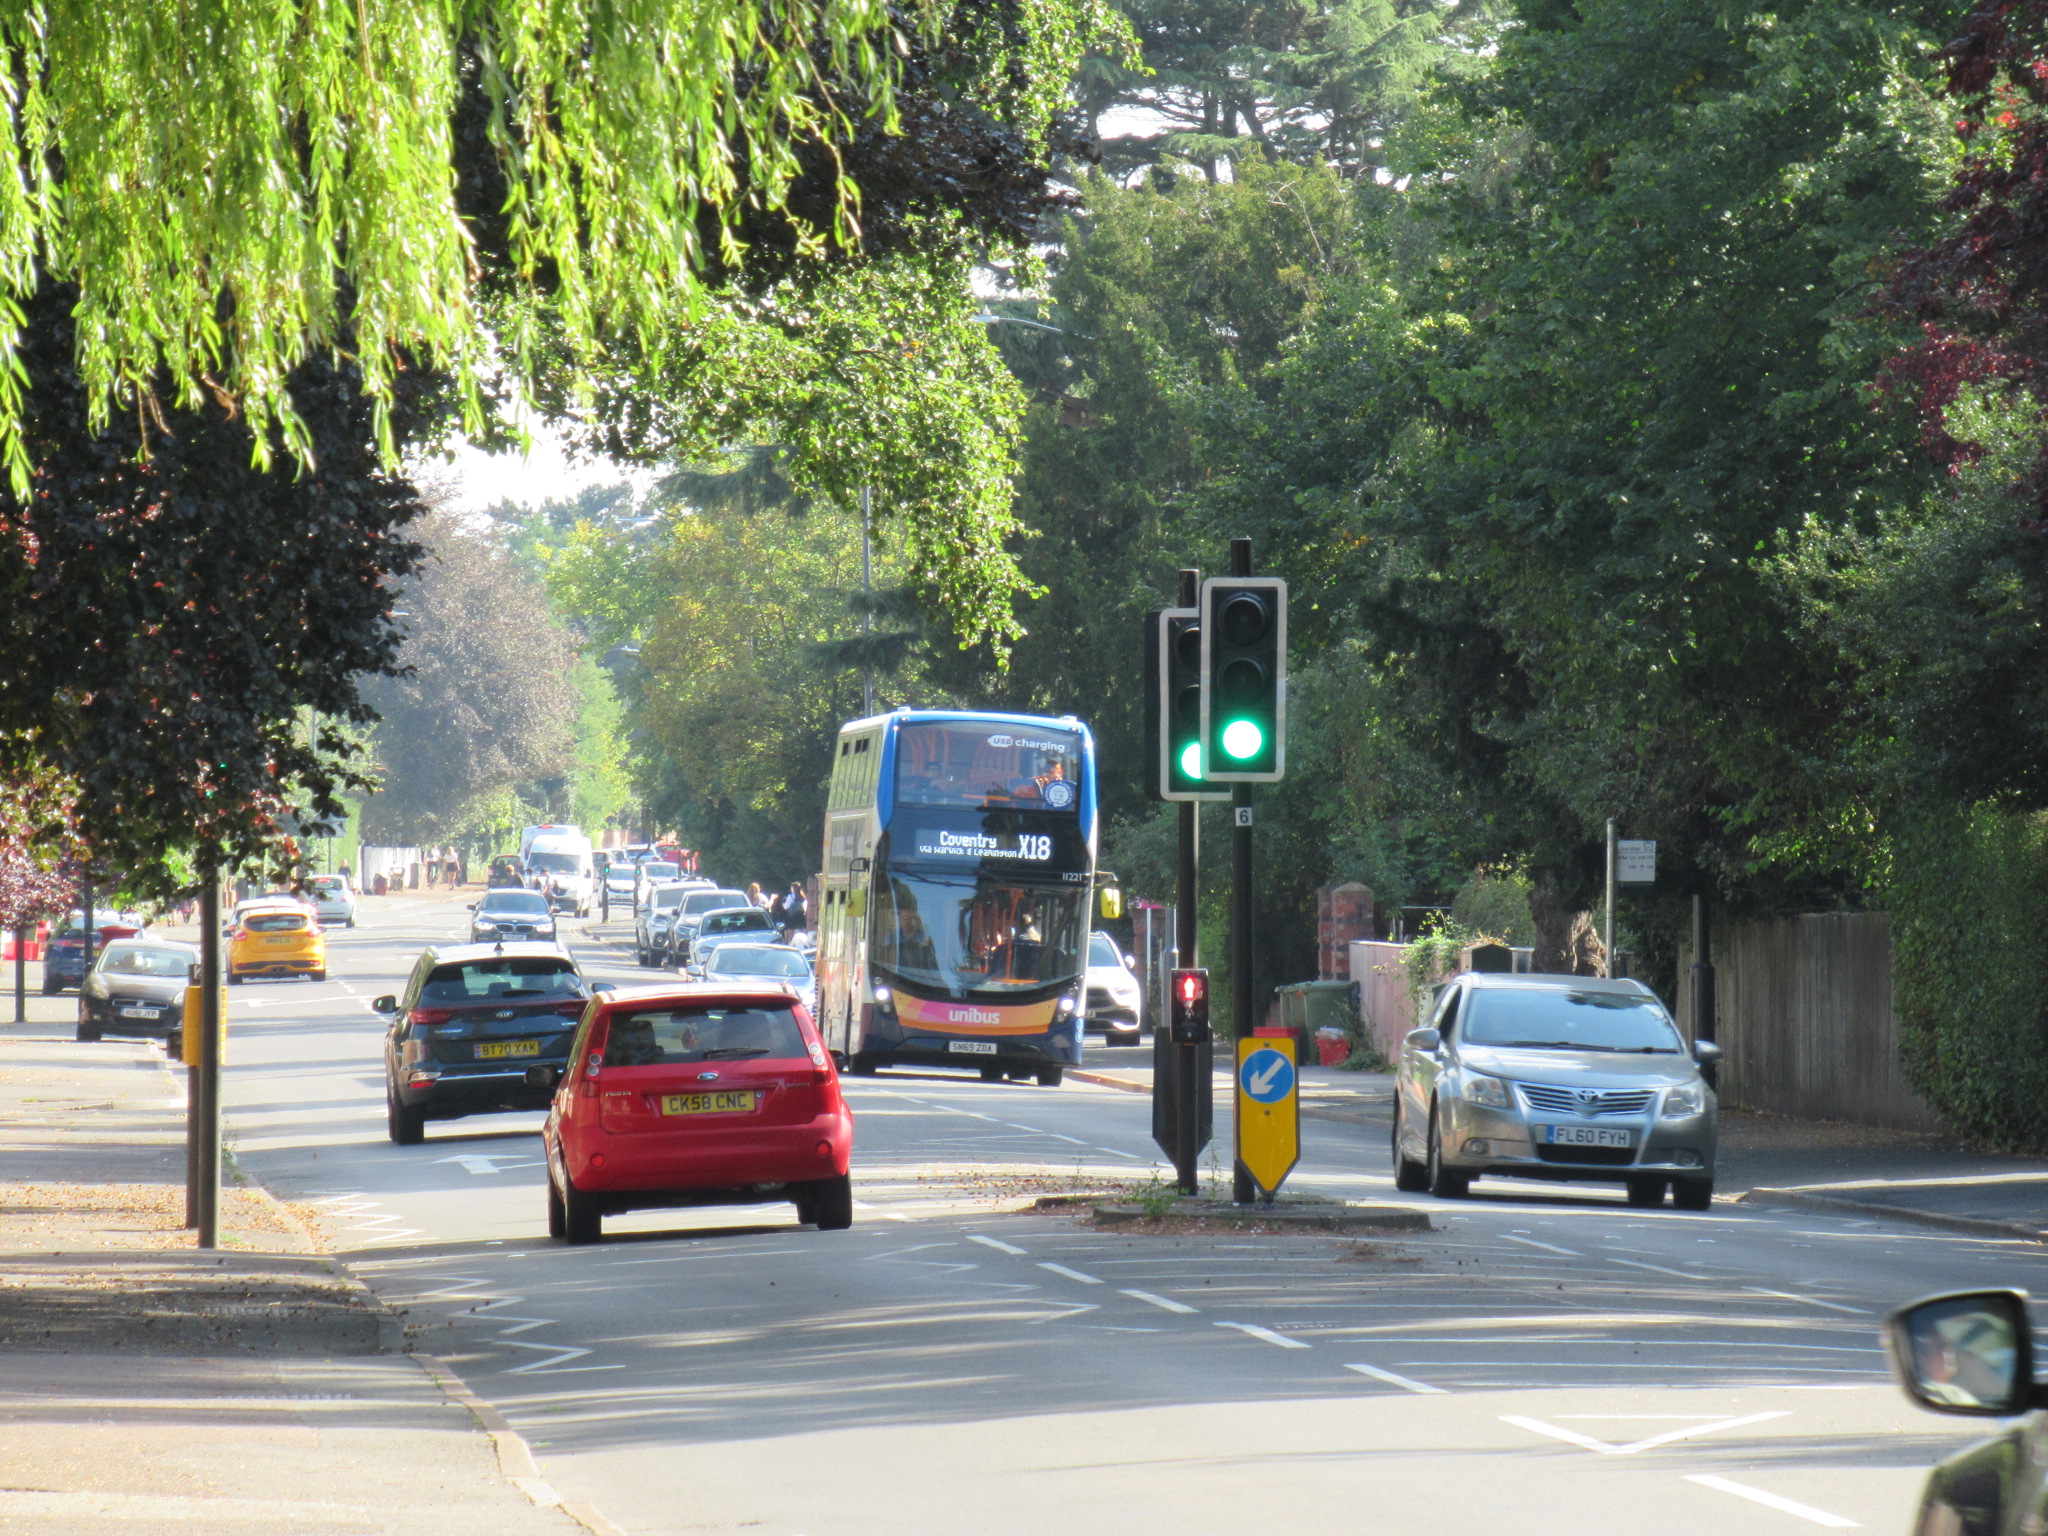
(546, 1075)
(194, 974)
(1968, 1352)
(386, 1004)
(472, 906)
(604, 986)
(1424, 1039)
(1705, 1052)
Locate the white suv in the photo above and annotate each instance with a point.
(1115, 1005)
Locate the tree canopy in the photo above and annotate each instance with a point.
(236, 189)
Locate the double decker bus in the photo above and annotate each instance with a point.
(956, 894)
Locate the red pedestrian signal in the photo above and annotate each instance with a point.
(1190, 1007)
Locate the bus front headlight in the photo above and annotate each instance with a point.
(1067, 1006)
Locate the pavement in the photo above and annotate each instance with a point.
(150, 1386)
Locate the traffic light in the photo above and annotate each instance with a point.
(1173, 704)
(1243, 621)
(1190, 1007)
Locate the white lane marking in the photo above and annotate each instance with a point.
(1165, 1303)
(1056, 1136)
(1604, 1448)
(1811, 1301)
(995, 1243)
(478, 1163)
(1034, 1130)
(1389, 1376)
(1570, 1253)
(1267, 1334)
(1113, 1152)
(1071, 1274)
(1659, 1269)
(1773, 1501)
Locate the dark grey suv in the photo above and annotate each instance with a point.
(471, 1020)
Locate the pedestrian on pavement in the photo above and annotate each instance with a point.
(794, 916)
(754, 895)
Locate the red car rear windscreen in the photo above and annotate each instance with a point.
(659, 1037)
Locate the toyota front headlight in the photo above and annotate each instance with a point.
(1684, 1101)
(1490, 1091)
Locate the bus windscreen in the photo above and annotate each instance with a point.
(974, 765)
(976, 935)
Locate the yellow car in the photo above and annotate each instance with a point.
(281, 939)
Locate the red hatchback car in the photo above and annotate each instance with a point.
(695, 1095)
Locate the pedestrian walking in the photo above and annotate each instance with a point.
(795, 918)
(754, 895)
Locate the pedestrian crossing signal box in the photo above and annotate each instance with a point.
(1190, 1022)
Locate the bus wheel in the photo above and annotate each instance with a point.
(1049, 1077)
(991, 1074)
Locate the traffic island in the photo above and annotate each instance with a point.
(1196, 1215)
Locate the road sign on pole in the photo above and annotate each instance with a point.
(1268, 1110)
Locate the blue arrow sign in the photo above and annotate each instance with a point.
(1268, 1076)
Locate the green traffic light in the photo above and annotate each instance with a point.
(1243, 739)
(1191, 760)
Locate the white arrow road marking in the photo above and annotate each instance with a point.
(1574, 1437)
(479, 1163)
(1267, 1334)
(1773, 1501)
(990, 1242)
(1262, 1082)
(1530, 1242)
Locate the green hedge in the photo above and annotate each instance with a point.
(1968, 892)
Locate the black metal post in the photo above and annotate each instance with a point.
(1703, 978)
(1243, 995)
(206, 1186)
(1190, 1062)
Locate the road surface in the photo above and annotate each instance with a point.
(1549, 1360)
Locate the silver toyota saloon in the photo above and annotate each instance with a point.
(1553, 1077)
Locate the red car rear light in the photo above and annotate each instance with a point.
(430, 1016)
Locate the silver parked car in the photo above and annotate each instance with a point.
(1554, 1077)
(762, 962)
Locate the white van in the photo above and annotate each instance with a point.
(564, 858)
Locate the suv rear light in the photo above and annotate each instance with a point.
(570, 1010)
(430, 1016)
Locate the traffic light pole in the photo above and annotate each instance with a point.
(1190, 1075)
(1243, 999)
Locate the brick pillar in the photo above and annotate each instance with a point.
(1343, 914)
